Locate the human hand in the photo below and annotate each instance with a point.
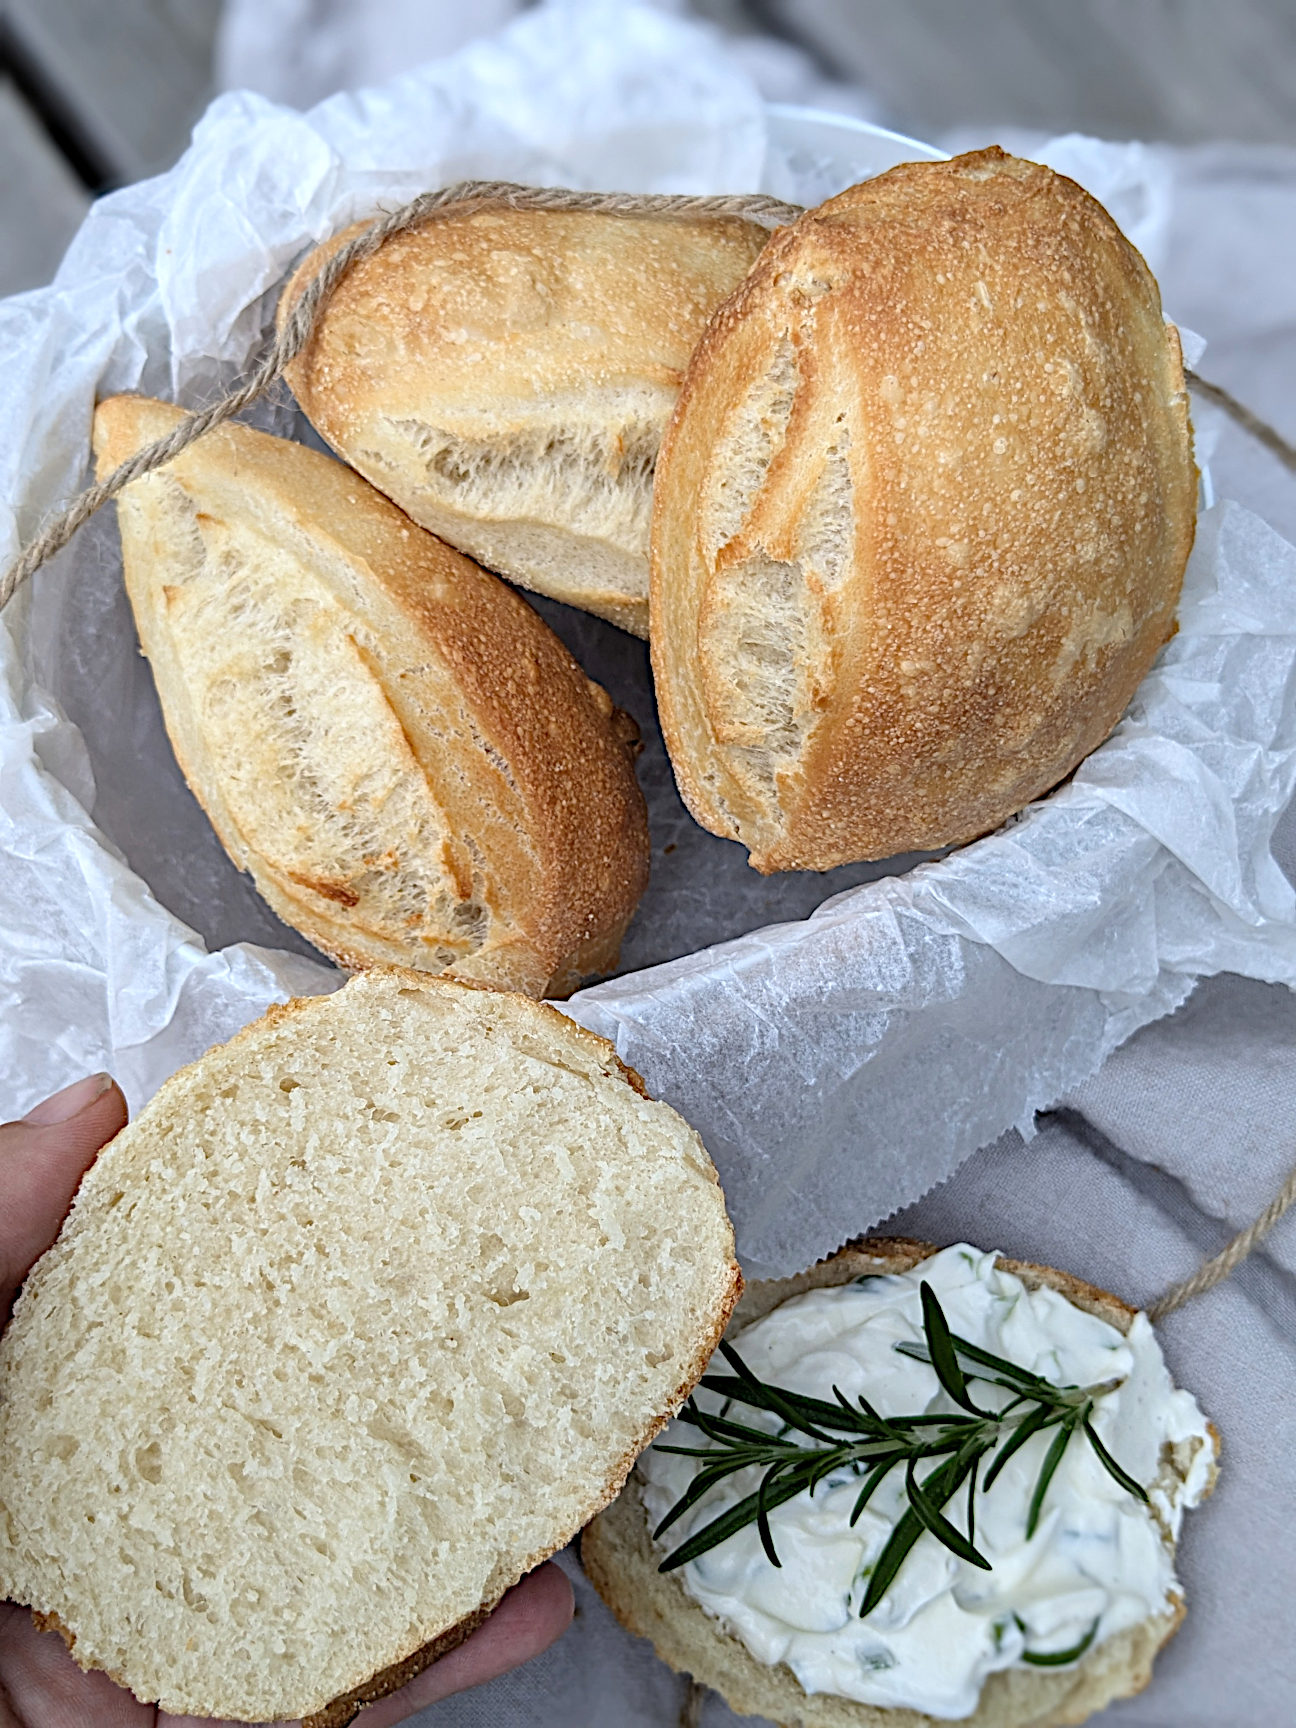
(42, 1160)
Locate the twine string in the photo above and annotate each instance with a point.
(295, 332)
(1260, 430)
(1215, 1270)
(297, 328)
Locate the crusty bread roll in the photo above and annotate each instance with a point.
(505, 376)
(618, 1554)
(921, 516)
(407, 760)
(367, 1313)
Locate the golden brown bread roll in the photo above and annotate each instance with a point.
(506, 375)
(921, 516)
(409, 763)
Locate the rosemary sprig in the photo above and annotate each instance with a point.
(854, 1437)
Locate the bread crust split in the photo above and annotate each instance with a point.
(921, 515)
(406, 759)
(204, 1550)
(621, 1561)
(506, 375)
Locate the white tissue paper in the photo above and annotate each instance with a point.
(843, 1042)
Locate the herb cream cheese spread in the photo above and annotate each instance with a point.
(1099, 1561)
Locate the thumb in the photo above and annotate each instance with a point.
(42, 1160)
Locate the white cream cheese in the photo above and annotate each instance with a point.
(1098, 1559)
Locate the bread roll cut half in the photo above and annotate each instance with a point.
(620, 1558)
(407, 760)
(921, 516)
(506, 375)
(367, 1313)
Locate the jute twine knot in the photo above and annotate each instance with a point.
(296, 332)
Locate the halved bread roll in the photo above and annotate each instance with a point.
(619, 1555)
(506, 375)
(921, 516)
(407, 760)
(365, 1315)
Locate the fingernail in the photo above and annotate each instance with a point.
(70, 1102)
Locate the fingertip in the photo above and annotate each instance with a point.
(544, 1602)
(57, 1154)
(70, 1101)
(530, 1617)
(108, 1113)
(42, 1163)
(89, 1111)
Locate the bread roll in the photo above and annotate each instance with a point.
(406, 759)
(367, 1313)
(921, 516)
(505, 376)
(619, 1555)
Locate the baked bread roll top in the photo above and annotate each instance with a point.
(404, 756)
(921, 517)
(506, 375)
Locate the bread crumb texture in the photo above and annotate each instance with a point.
(921, 516)
(368, 1312)
(506, 375)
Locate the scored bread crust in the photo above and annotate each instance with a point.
(621, 1560)
(506, 375)
(921, 515)
(468, 797)
(537, 1028)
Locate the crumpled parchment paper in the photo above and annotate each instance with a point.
(841, 1042)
